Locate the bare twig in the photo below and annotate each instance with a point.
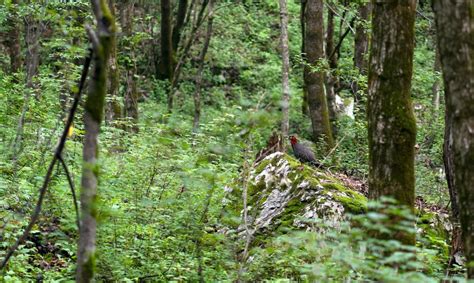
(73, 191)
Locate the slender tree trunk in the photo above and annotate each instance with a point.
(361, 44)
(113, 109)
(304, 106)
(314, 79)
(436, 85)
(93, 112)
(202, 58)
(180, 17)
(455, 32)
(33, 31)
(32, 35)
(131, 93)
(165, 65)
(331, 79)
(391, 122)
(186, 50)
(13, 38)
(285, 68)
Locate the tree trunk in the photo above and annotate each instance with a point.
(180, 17)
(436, 84)
(304, 105)
(114, 109)
(165, 66)
(285, 68)
(32, 35)
(13, 38)
(93, 111)
(361, 44)
(131, 93)
(391, 122)
(314, 79)
(455, 32)
(202, 58)
(331, 79)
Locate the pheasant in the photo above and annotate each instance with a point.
(303, 153)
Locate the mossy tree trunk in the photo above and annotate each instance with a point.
(314, 72)
(455, 32)
(391, 122)
(93, 112)
(285, 68)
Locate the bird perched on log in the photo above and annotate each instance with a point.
(303, 153)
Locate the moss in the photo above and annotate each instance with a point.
(351, 200)
(292, 209)
(89, 267)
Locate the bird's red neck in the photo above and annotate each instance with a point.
(293, 140)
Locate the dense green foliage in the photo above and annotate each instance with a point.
(161, 189)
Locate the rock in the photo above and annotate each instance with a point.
(282, 195)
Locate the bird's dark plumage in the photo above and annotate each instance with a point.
(303, 153)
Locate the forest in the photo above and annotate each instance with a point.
(237, 141)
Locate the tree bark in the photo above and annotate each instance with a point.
(455, 32)
(285, 68)
(361, 44)
(304, 105)
(202, 58)
(165, 66)
(93, 112)
(436, 84)
(314, 79)
(180, 17)
(391, 121)
(331, 79)
(114, 109)
(131, 95)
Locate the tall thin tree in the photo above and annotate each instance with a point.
(285, 68)
(94, 107)
(202, 59)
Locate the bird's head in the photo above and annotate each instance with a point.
(293, 140)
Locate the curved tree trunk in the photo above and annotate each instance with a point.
(314, 79)
(94, 107)
(455, 31)
(391, 122)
